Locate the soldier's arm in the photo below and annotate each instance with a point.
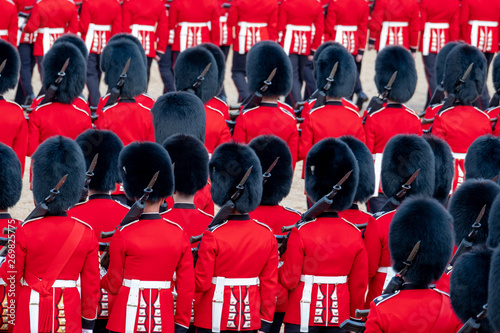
(358, 279)
(215, 26)
(162, 30)
(293, 259)
(126, 17)
(90, 283)
(463, 20)
(13, 26)
(84, 18)
(239, 134)
(362, 28)
(414, 26)
(268, 287)
(205, 265)
(330, 20)
(282, 17)
(293, 144)
(13, 266)
(454, 24)
(439, 128)
(20, 145)
(224, 135)
(34, 21)
(113, 280)
(306, 138)
(185, 286)
(373, 244)
(73, 22)
(319, 25)
(369, 133)
(33, 133)
(374, 322)
(272, 24)
(116, 26)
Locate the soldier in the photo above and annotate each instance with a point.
(52, 250)
(8, 25)
(166, 61)
(445, 168)
(493, 292)
(268, 117)
(482, 159)
(226, 34)
(417, 305)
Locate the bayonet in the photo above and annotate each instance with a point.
(254, 99)
(88, 177)
(267, 174)
(201, 77)
(2, 66)
(397, 282)
(117, 89)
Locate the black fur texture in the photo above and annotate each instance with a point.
(441, 60)
(76, 74)
(327, 162)
(190, 158)
(320, 50)
(494, 291)
(138, 162)
(10, 73)
(425, 220)
(229, 163)
(108, 146)
(389, 60)
(345, 77)
(10, 177)
(54, 158)
(496, 73)
(268, 148)
(403, 155)
(483, 158)
(178, 112)
(457, 62)
(493, 239)
(76, 41)
(220, 60)
(444, 167)
(129, 38)
(262, 58)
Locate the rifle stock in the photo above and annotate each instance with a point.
(352, 325)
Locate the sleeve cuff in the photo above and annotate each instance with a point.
(180, 329)
(361, 52)
(413, 49)
(371, 41)
(88, 324)
(265, 325)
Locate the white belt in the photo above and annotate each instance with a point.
(305, 302)
(133, 298)
(474, 37)
(290, 28)
(426, 39)
(183, 37)
(339, 35)
(218, 299)
(194, 25)
(377, 159)
(4, 32)
(90, 33)
(242, 36)
(390, 273)
(385, 31)
(459, 156)
(141, 27)
(46, 36)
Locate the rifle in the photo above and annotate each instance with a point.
(51, 92)
(437, 97)
(451, 99)
(117, 89)
(88, 177)
(254, 99)
(353, 325)
(267, 174)
(377, 102)
(395, 200)
(466, 243)
(474, 323)
(2, 66)
(199, 80)
(397, 282)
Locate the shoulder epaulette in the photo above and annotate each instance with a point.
(32, 220)
(81, 203)
(129, 224)
(216, 110)
(382, 298)
(316, 108)
(81, 110)
(247, 110)
(350, 223)
(262, 224)
(305, 223)
(291, 210)
(218, 226)
(378, 215)
(287, 112)
(12, 102)
(145, 107)
(220, 100)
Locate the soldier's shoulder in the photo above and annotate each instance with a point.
(291, 210)
(173, 223)
(384, 298)
(351, 224)
(82, 222)
(262, 225)
(380, 215)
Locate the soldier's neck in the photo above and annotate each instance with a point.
(334, 99)
(181, 197)
(3, 211)
(269, 99)
(153, 207)
(390, 101)
(92, 192)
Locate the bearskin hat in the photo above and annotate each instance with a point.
(220, 60)
(494, 291)
(189, 65)
(113, 60)
(496, 73)
(320, 49)
(268, 148)
(191, 163)
(129, 38)
(441, 60)
(229, 163)
(262, 58)
(483, 158)
(9, 75)
(444, 167)
(390, 60)
(466, 204)
(10, 177)
(138, 162)
(425, 220)
(493, 239)
(327, 163)
(345, 77)
(108, 146)
(403, 155)
(178, 112)
(457, 62)
(73, 83)
(76, 41)
(54, 158)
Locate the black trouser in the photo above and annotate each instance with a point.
(308, 76)
(100, 326)
(277, 321)
(239, 74)
(430, 75)
(28, 61)
(94, 78)
(357, 86)
(298, 65)
(291, 328)
(148, 69)
(484, 100)
(166, 70)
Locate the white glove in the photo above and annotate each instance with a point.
(87, 330)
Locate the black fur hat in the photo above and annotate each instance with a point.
(138, 162)
(10, 177)
(130, 38)
(465, 205)
(76, 41)
(178, 112)
(469, 285)
(425, 220)
(229, 163)
(54, 158)
(268, 148)
(9, 75)
(403, 155)
(390, 60)
(457, 62)
(483, 158)
(262, 58)
(366, 184)
(493, 239)
(114, 57)
(345, 77)
(441, 60)
(496, 73)
(108, 146)
(494, 291)
(191, 163)
(189, 65)
(444, 167)
(320, 49)
(327, 162)
(76, 74)
(220, 59)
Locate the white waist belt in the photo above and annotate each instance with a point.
(242, 36)
(90, 33)
(46, 41)
(377, 160)
(194, 25)
(490, 24)
(385, 31)
(459, 156)
(290, 28)
(474, 36)
(218, 299)
(183, 35)
(140, 27)
(133, 298)
(305, 302)
(51, 30)
(4, 32)
(426, 39)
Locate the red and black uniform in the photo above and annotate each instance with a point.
(140, 274)
(143, 99)
(430, 112)
(14, 131)
(202, 200)
(8, 21)
(356, 215)
(220, 105)
(216, 130)
(226, 32)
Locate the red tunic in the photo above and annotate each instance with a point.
(79, 102)
(220, 105)
(226, 32)
(479, 24)
(216, 130)
(346, 22)
(355, 215)
(24, 8)
(143, 99)
(14, 131)
(202, 200)
(239, 248)
(51, 18)
(327, 247)
(430, 113)
(8, 21)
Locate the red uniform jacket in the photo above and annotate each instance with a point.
(479, 24)
(328, 246)
(493, 113)
(443, 283)
(99, 20)
(220, 105)
(128, 119)
(202, 200)
(395, 22)
(268, 118)
(334, 119)
(8, 21)
(38, 241)
(216, 130)
(430, 113)
(253, 23)
(137, 252)
(356, 215)
(79, 102)
(195, 22)
(346, 22)
(413, 310)
(239, 248)
(295, 21)
(147, 20)
(56, 119)
(143, 99)
(51, 18)
(14, 131)
(438, 24)
(226, 32)
(24, 8)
